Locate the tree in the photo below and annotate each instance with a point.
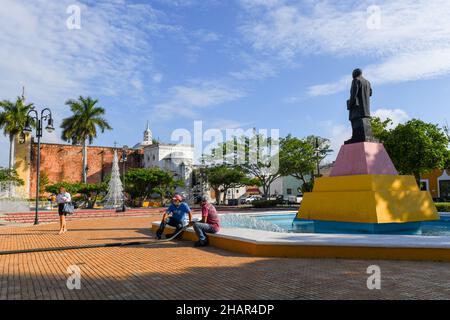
(12, 120)
(221, 178)
(417, 147)
(91, 191)
(256, 155)
(141, 183)
(380, 128)
(72, 188)
(298, 159)
(82, 126)
(43, 182)
(167, 185)
(10, 176)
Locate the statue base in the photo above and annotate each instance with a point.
(365, 193)
(363, 158)
(368, 199)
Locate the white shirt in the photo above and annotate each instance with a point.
(63, 197)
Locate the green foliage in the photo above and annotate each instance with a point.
(264, 203)
(224, 177)
(10, 175)
(255, 155)
(141, 183)
(83, 124)
(43, 182)
(91, 191)
(72, 188)
(417, 147)
(14, 116)
(299, 157)
(443, 206)
(380, 129)
(88, 192)
(308, 186)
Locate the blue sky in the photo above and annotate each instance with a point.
(237, 63)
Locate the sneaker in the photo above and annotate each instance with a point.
(201, 243)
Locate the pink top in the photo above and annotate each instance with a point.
(212, 218)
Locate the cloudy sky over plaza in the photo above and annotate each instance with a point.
(235, 63)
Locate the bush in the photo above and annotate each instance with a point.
(265, 203)
(443, 206)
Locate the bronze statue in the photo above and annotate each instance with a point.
(359, 109)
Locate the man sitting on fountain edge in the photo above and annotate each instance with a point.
(177, 211)
(209, 224)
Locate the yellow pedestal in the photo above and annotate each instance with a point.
(368, 199)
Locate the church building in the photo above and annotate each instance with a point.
(63, 162)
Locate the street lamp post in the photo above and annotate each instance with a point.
(318, 159)
(320, 151)
(124, 160)
(46, 115)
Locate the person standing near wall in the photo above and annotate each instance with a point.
(62, 198)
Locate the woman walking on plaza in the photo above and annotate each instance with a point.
(62, 198)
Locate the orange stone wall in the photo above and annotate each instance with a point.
(64, 163)
(432, 178)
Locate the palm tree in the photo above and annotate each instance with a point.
(13, 120)
(82, 125)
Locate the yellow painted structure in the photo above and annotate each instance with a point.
(368, 199)
(22, 159)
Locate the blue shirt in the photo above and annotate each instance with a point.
(179, 213)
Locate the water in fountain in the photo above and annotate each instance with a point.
(248, 222)
(114, 198)
(10, 199)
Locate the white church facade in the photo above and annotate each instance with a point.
(176, 158)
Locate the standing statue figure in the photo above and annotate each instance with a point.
(359, 109)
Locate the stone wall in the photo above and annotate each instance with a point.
(64, 163)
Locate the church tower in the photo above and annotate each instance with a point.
(148, 136)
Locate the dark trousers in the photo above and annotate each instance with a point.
(361, 131)
(177, 224)
(202, 228)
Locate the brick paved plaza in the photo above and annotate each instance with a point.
(174, 270)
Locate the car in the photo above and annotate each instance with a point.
(252, 198)
(291, 199)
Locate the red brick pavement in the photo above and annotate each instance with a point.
(174, 270)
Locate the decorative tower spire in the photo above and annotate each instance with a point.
(148, 136)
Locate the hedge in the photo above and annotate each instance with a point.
(265, 203)
(443, 206)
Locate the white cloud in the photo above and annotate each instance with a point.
(396, 115)
(256, 70)
(55, 63)
(223, 124)
(337, 133)
(206, 35)
(157, 78)
(110, 55)
(187, 100)
(422, 65)
(413, 41)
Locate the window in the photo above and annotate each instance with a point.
(289, 191)
(444, 188)
(424, 185)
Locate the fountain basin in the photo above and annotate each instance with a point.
(321, 245)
